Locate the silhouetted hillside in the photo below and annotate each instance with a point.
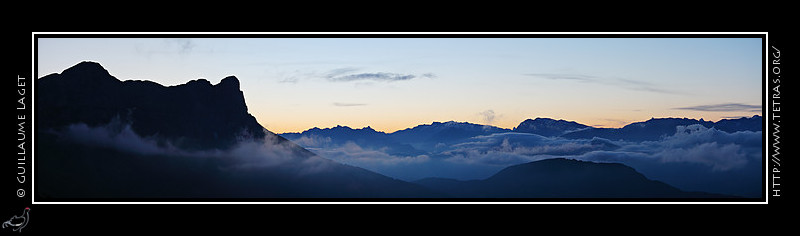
(195, 115)
(562, 178)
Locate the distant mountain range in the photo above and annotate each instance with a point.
(466, 151)
(426, 137)
(101, 138)
(411, 141)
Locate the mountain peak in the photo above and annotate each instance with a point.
(197, 114)
(229, 82)
(199, 82)
(548, 126)
(89, 72)
(86, 65)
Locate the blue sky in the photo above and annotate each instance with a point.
(293, 84)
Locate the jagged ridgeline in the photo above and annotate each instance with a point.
(195, 115)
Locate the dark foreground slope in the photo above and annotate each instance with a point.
(562, 178)
(68, 171)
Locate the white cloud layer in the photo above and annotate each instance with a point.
(246, 154)
(694, 157)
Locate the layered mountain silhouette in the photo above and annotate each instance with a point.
(98, 137)
(426, 136)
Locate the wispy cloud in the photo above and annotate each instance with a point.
(428, 75)
(183, 46)
(575, 77)
(487, 116)
(179, 46)
(290, 80)
(378, 76)
(724, 107)
(340, 72)
(348, 74)
(630, 84)
(342, 104)
(642, 86)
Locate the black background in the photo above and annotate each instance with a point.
(381, 218)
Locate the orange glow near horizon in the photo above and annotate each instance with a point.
(390, 84)
(390, 127)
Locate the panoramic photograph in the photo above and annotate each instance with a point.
(284, 118)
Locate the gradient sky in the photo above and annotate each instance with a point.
(294, 84)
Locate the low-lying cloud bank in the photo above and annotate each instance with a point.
(694, 158)
(694, 144)
(248, 153)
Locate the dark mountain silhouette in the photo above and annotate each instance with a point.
(658, 128)
(548, 127)
(195, 115)
(562, 178)
(207, 145)
(344, 132)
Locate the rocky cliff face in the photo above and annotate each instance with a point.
(195, 115)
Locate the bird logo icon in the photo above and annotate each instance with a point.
(18, 222)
